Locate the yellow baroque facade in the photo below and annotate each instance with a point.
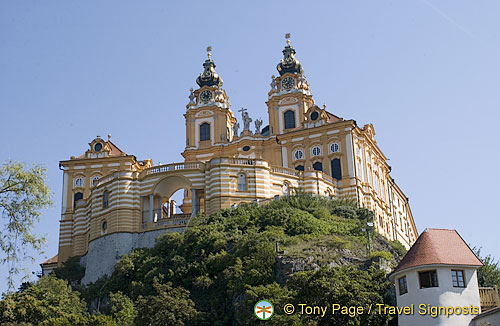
(113, 202)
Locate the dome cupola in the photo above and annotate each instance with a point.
(289, 64)
(209, 77)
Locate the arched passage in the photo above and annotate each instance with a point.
(160, 204)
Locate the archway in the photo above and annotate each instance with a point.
(172, 197)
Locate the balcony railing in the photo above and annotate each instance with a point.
(278, 169)
(489, 298)
(173, 167)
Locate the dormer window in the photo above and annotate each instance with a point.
(98, 147)
(314, 116)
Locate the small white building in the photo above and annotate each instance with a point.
(438, 279)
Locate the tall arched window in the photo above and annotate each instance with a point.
(204, 131)
(318, 166)
(242, 182)
(336, 169)
(105, 199)
(77, 197)
(286, 189)
(289, 117)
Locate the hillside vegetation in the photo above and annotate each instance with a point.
(300, 249)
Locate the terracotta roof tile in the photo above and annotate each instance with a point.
(438, 247)
(51, 260)
(115, 151)
(332, 117)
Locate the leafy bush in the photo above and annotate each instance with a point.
(398, 247)
(382, 254)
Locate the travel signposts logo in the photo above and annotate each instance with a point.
(263, 310)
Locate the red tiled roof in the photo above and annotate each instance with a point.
(52, 260)
(332, 117)
(115, 151)
(438, 247)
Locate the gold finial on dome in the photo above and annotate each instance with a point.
(287, 36)
(109, 136)
(324, 106)
(209, 51)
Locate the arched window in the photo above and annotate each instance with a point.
(316, 150)
(334, 148)
(242, 182)
(77, 197)
(204, 131)
(377, 188)
(299, 168)
(79, 182)
(336, 169)
(318, 166)
(95, 180)
(286, 189)
(105, 199)
(289, 117)
(298, 155)
(104, 227)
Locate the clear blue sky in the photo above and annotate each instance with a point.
(425, 73)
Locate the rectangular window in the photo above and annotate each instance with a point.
(403, 287)
(428, 279)
(458, 278)
(204, 131)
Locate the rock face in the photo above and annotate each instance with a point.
(286, 264)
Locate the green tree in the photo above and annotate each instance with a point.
(23, 195)
(122, 311)
(345, 286)
(49, 298)
(171, 306)
(80, 320)
(489, 274)
(278, 296)
(71, 271)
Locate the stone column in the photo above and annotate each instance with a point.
(160, 211)
(194, 203)
(151, 208)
